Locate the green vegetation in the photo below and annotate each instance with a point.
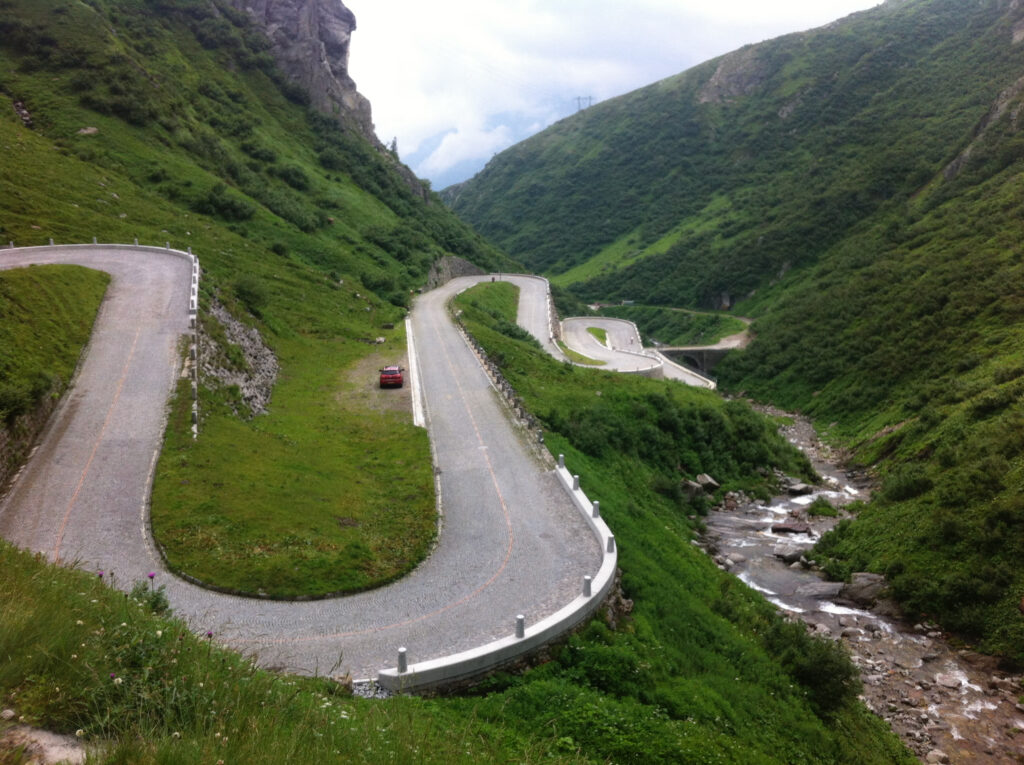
(704, 669)
(80, 656)
(670, 326)
(317, 496)
(168, 121)
(822, 507)
(832, 186)
(309, 233)
(46, 314)
(578, 357)
(600, 334)
(706, 188)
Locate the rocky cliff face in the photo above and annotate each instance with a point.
(310, 43)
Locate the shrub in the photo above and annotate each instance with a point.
(252, 293)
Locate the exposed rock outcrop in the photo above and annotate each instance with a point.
(739, 74)
(254, 373)
(446, 268)
(311, 44)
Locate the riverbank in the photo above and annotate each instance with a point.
(946, 703)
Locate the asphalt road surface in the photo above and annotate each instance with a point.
(511, 541)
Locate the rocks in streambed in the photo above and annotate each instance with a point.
(788, 552)
(864, 589)
(820, 590)
(791, 527)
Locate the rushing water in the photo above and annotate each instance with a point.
(943, 703)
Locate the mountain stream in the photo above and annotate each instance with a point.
(947, 705)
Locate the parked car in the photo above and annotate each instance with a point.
(391, 377)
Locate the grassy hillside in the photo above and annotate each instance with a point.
(704, 670)
(46, 314)
(169, 122)
(867, 215)
(726, 176)
(304, 231)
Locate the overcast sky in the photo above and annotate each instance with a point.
(456, 81)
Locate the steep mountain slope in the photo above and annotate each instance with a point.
(170, 121)
(711, 182)
(858, 187)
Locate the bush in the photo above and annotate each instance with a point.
(293, 175)
(821, 666)
(222, 203)
(253, 294)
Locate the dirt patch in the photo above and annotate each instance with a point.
(360, 387)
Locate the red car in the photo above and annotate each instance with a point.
(391, 377)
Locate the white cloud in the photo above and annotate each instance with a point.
(466, 143)
(448, 67)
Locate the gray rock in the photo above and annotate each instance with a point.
(707, 482)
(7, 714)
(820, 590)
(788, 552)
(947, 681)
(310, 42)
(799, 489)
(864, 588)
(936, 756)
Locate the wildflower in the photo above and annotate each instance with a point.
(74, 656)
(175, 735)
(79, 622)
(99, 574)
(151, 574)
(118, 681)
(79, 733)
(159, 633)
(209, 634)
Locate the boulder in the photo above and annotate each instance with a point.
(707, 482)
(864, 589)
(788, 552)
(820, 590)
(791, 528)
(692, 489)
(799, 489)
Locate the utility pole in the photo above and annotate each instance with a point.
(581, 99)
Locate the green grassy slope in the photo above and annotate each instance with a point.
(169, 122)
(46, 314)
(753, 163)
(704, 670)
(199, 143)
(867, 215)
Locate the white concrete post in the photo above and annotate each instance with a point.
(597, 509)
(561, 457)
(167, 245)
(575, 482)
(136, 241)
(611, 543)
(520, 626)
(403, 661)
(587, 582)
(94, 240)
(51, 241)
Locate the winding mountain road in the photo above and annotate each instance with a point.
(511, 541)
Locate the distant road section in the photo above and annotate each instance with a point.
(624, 351)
